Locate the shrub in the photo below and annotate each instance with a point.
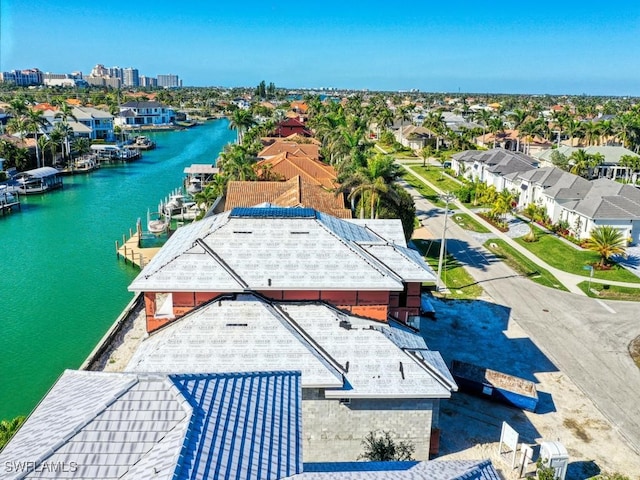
(381, 447)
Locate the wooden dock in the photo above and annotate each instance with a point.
(131, 251)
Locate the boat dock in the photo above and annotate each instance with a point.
(8, 201)
(132, 251)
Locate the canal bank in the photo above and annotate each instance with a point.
(62, 284)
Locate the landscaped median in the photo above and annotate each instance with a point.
(454, 276)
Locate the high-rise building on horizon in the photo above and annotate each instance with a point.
(169, 81)
(130, 77)
(148, 81)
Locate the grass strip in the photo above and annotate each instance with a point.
(558, 254)
(469, 223)
(454, 276)
(610, 292)
(437, 176)
(521, 264)
(426, 191)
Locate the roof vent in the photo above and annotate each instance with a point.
(236, 324)
(346, 324)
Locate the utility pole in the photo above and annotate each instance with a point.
(447, 197)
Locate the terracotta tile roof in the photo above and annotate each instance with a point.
(292, 193)
(300, 107)
(312, 171)
(310, 150)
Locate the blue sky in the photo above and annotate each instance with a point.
(479, 46)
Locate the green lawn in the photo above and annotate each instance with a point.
(469, 223)
(454, 276)
(522, 265)
(564, 257)
(427, 192)
(610, 292)
(437, 177)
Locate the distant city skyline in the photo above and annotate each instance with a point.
(546, 47)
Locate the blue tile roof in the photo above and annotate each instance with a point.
(244, 426)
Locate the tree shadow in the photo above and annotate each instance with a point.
(583, 469)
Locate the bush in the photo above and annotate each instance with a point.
(381, 447)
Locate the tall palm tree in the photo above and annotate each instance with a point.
(592, 132)
(65, 113)
(43, 144)
(606, 241)
(371, 184)
(496, 126)
(518, 117)
(241, 121)
(583, 163)
(435, 123)
(483, 117)
(35, 122)
(236, 164)
(573, 128)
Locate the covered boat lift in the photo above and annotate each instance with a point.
(39, 180)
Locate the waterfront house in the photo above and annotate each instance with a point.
(136, 114)
(99, 122)
(361, 266)
(95, 425)
(291, 193)
(357, 375)
(512, 140)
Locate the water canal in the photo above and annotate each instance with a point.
(62, 286)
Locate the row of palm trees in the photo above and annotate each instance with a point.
(26, 120)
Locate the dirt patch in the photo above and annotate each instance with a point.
(634, 350)
(577, 429)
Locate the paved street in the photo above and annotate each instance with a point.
(586, 338)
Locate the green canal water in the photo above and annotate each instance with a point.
(62, 285)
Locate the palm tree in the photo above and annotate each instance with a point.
(425, 153)
(606, 241)
(43, 144)
(371, 183)
(573, 128)
(496, 125)
(483, 117)
(35, 121)
(518, 117)
(435, 123)
(592, 132)
(236, 164)
(241, 121)
(583, 163)
(66, 113)
(631, 163)
(504, 204)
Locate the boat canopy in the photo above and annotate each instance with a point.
(41, 172)
(201, 169)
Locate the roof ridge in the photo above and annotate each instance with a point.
(222, 263)
(83, 422)
(359, 250)
(284, 316)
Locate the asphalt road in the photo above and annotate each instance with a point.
(585, 338)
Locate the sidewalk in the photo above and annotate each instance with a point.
(569, 280)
